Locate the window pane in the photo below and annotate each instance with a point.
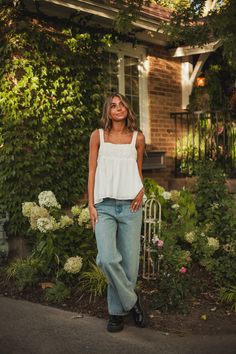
(132, 82)
(111, 72)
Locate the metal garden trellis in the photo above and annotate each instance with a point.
(152, 228)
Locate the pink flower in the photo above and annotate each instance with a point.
(183, 270)
(160, 243)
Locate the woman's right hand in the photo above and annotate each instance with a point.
(93, 216)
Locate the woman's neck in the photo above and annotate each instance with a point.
(119, 128)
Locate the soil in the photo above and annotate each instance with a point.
(205, 314)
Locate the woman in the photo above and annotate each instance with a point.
(115, 191)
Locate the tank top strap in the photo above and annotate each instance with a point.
(133, 142)
(101, 134)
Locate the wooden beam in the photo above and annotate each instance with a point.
(189, 50)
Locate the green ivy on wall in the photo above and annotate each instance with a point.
(51, 91)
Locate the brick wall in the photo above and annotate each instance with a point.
(165, 96)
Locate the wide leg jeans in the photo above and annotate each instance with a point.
(118, 242)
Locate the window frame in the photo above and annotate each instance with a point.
(139, 52)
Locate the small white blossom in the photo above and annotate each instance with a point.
(229, 247)
(26, 208)
(46, 224)
(37, 212)
(84, 218)
(190, 237)
(175, 195)
(166, 195)
(65, 221)
(155, 239)
(213, 243)
(47, 199)
(76, 210)
(175, 206)
(73, 265)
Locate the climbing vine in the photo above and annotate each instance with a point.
(51, 89)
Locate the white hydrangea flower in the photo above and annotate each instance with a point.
(26, 208)
(213, 243)
(46, 224)
(84, 218)
(65, 221)
(166, 195)
(175, 206)
(47, 199)
(37, 212)
(190, 237)
(76, 210)
(73, 265)
(174, 195)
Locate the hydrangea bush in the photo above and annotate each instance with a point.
(64, 242)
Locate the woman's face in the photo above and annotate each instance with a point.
(118, 111)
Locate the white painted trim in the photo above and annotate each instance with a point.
(187, 69)
(105, 11)
(144, 101)
(138, 52)
(189, 75)
(188, 50)
(198, 67)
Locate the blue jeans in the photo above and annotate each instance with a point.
(118, 241)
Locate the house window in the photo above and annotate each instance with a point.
(126, 72)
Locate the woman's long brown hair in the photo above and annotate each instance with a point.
(106, 121)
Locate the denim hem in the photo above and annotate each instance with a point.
(130, 308)
(119, 314)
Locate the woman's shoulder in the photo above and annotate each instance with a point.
(95, 136)
(140, 136)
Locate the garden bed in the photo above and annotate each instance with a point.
(205, 315)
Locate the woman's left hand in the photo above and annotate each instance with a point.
(138, 201)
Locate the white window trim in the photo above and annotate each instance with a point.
(143, 68)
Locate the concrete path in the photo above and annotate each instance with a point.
(28, 328)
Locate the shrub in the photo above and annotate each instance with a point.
(51, 85)
(58, 293)
(25, 272)
(228, 295)
(93, 281)
(60, 241)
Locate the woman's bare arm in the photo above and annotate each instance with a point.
(93, 154)
(140, 146)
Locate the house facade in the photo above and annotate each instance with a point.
(144, 70)
(157, 80)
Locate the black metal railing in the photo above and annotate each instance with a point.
(202, 136)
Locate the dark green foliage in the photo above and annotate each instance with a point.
(51, 89)
(58, 293)
(25, 272)
(173, 290)
(55, 248)
(217, 218)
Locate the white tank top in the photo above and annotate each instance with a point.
(117, 174)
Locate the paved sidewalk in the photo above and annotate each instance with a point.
(28, 328)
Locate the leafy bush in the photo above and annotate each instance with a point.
(195, 228)
(58, 293)
(25, 272)
(217, 220)
(51, 80)
(58, 238)
(228, 295)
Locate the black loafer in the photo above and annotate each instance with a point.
(115, 323)
(138, 313)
